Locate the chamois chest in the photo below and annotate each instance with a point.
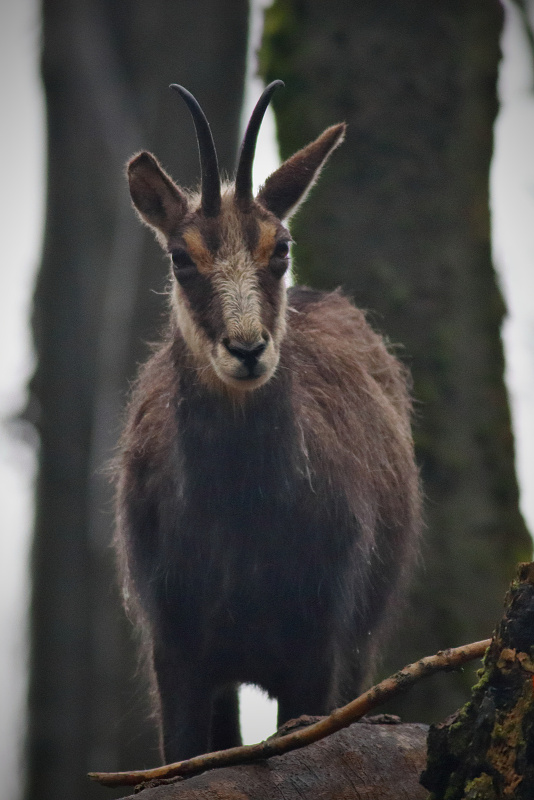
(239, 461)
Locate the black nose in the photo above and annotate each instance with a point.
(247, 353)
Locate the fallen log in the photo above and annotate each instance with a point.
(378, 761)
(340, 718)
(483, 752)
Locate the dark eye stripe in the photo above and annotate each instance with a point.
(271, 289)
(204, 304)
(183, 266)
(181, 258)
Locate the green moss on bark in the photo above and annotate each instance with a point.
(486, 750)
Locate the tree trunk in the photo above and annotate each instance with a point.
(400, 219)
(382, 762)
(486, 750)
(106, 69)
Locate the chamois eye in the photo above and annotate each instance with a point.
(183, 264)
(279, 258)
(281, 249)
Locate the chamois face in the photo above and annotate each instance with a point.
(229, 293)
(229, 251)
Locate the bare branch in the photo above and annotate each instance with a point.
(340, 718)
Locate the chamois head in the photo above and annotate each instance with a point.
(229, 250)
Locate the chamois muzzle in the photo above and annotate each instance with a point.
(244, 364)
(249, 356)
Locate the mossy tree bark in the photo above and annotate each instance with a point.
(486, 750)
(400, 219)
(106, 70)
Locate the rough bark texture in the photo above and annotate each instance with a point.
(363, 761)
(401, 220)
(106, 69)
(486, 750)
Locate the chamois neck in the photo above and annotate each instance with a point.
(235, 453)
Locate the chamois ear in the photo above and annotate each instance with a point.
(286, 188)
(158, 200)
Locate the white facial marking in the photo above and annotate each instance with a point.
(237, 285)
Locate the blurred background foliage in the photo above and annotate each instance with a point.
(400, 219)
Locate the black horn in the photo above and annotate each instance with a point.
(211, 182)
(243, 180)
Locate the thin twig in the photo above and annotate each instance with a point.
(340, 718)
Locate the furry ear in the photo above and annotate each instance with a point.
(158, 200)
(286, 188)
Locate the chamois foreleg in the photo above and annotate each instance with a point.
(225, 730)
(309, 686)
(185, 699)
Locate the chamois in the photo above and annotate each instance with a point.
(268, 502)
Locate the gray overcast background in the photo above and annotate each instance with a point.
(21, 207)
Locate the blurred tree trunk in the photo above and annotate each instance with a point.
(106, 68)
(400, 219)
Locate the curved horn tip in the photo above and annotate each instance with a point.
(276, 84)
(211, 184)
(178, 88)
(243, 179)
(190, 100)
